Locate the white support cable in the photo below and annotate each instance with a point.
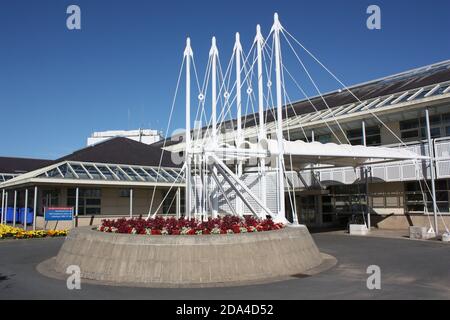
(168, 124)
(312, 104)
(182, 171)
(315, 86)
(342, 84)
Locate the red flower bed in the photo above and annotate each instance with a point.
(173, 226)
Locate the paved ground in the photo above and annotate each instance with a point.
(410, 270)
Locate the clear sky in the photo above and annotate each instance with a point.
(119, 71)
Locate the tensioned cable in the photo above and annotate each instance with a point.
(342, 84)
(312, 104)
(182, 171)
(348, 89)
(316, 87)
(167, 131)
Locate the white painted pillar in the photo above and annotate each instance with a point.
(188, 54)
(35, 207)
(25, 210)
(279, 100)
(262, 129)
(313, 136)
(131, 203)
(14, 208)
(432, 170)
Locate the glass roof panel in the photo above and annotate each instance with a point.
(144, 174)
(166, 175)
(93, 172)
(79, 171)
(119, 173)
(54, 173)
(130, 173)
(67, 173)
(108, 175)
(152, 172)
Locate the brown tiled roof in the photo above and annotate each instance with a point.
(121, 150)
(21, 165)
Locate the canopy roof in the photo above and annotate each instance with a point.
(75, 172)
(306, 153)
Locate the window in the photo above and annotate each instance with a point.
(415, 129)
(414, 198)
(89, 201)
(373, 137)
(170, 203)
(324, 138)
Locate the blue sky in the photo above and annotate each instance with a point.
(119, 72)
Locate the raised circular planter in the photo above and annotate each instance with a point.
(188, 260)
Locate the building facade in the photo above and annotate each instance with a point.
(119, 177)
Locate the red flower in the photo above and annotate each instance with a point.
(156, 232)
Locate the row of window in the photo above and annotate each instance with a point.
(415, 129)
(410, 130)
(89, 200)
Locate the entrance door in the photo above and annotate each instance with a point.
(307, 209)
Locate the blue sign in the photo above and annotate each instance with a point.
(58, 214)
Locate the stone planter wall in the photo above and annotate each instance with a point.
(188, 260)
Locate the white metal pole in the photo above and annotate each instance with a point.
(3, 205)
(178, 203)
(5, 221)
(214, 53)
(432, 168)
(188, 54)
(313, 136)
(25, 210)
(35, 207)
(238, 53)
(77, 193)
(14, 208)
(366, 173)
(280, 170)
(364, 140)
(131, 203)
(262, 130)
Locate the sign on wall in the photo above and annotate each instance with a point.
(58, 214)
